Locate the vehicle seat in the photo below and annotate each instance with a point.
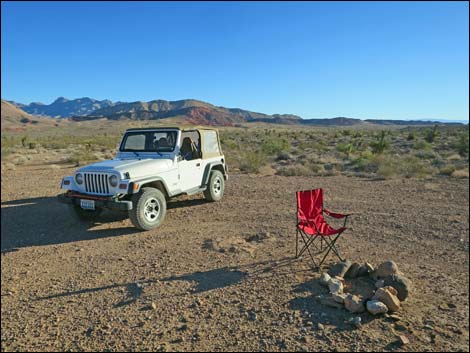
(188, 150)
(163, 143)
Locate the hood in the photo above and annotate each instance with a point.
(135, 167)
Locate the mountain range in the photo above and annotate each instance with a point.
(190, 111)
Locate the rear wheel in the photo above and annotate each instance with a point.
(148, 209)
(215, 187)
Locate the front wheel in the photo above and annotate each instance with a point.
(148, 209)
(215, 187)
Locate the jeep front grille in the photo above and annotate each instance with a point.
(96, 183)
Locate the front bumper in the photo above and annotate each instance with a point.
(73, 197)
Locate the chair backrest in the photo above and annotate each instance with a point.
(309, 204)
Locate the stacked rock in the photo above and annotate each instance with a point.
(391, 287)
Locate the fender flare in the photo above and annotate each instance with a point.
(208, 169)
(143, 181)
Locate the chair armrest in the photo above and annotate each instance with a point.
(336, 215)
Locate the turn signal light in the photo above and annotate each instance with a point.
(122, 186)
(136, 186)
(66, 182)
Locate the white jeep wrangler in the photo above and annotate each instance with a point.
(152, 165)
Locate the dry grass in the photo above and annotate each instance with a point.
(290, 151)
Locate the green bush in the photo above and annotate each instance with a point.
(461, 145)
(346, 148)
(251, 162)
(447, 170)
(380, 144)
(273, 146)
(431, 134)
(295, 170)
(421, 145)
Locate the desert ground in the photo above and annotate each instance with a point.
(222, 276)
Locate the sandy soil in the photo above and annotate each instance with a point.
(221, 276)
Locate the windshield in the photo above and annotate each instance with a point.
(149, 141)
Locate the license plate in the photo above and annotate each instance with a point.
(87, 204)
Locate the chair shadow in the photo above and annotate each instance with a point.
(213, 279)
(45, 221)
(205, 281)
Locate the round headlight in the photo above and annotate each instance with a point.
(79, 178)
(113, 180)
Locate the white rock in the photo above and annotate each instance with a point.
(324, 279)
(335, 286)
(376, 307)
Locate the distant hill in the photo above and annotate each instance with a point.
(190, 111)
(12, 113)
(63, 107)
(193, 111)
(14, 118)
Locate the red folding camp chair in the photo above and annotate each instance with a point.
(313, 228)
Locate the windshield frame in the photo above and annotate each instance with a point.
(149, 137)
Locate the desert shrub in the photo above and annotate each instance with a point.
(421, 145)
(19, 160)
(438, 162)
(273, 146)
(386, 168)
(454, 157)
(317, 169)
(461, 146)
(411, 136)
(447, 170)
(365, 163)
(283, 156)
(346, 148)
(5, 152)
(252, 161)
(81, 157)
(295, 170)
(462, 173)
(426, 154)
(380, 144)
(431, 134)
(410, 166)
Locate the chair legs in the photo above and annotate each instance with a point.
(308, 240)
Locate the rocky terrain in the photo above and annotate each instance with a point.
(222, 277)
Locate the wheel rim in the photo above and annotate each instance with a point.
(217, 186)
(151, 209)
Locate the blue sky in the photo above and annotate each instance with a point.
(363, 60)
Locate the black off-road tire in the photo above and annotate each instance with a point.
(148, 209)
(215, 187)
(80, 214)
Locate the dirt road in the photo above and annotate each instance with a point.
(221, 276)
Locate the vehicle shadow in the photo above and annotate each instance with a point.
(185, 203)
(46, 221)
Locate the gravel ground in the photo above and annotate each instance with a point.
(221, 276)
